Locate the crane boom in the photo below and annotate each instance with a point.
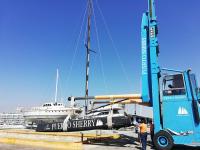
(150, 51)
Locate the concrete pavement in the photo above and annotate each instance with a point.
(127, 141)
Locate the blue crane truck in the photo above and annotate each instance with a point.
(173, 94)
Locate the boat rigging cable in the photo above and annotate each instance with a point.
(91, 15)
(76, 46)
(56, 92)
(99, 50)
(114, 45)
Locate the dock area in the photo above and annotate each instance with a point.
(26, 139)
(52, 140)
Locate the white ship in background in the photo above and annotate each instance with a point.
(50, 112)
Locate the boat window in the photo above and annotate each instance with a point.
(115, 112)
(173, 85)
(103, 113)
(99, 114)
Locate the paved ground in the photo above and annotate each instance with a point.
(128, 141)
(94, 147)
(89, 147)
(17, 147)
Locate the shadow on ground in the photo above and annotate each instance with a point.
(185, 148)
(128, 141)
(123, 141)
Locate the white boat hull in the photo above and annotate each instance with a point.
(49, 115)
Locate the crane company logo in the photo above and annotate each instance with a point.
(182, 111)
(99, 123)
(144, 56)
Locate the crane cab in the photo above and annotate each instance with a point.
(179, 110)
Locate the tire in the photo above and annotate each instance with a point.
(163, 140)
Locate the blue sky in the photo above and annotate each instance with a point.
(38, 36)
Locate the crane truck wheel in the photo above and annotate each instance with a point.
(163, 140)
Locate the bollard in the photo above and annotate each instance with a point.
(81, 137)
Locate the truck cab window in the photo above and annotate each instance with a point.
(173, 85)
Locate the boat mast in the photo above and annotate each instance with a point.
(88, 52)
(56, 92)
